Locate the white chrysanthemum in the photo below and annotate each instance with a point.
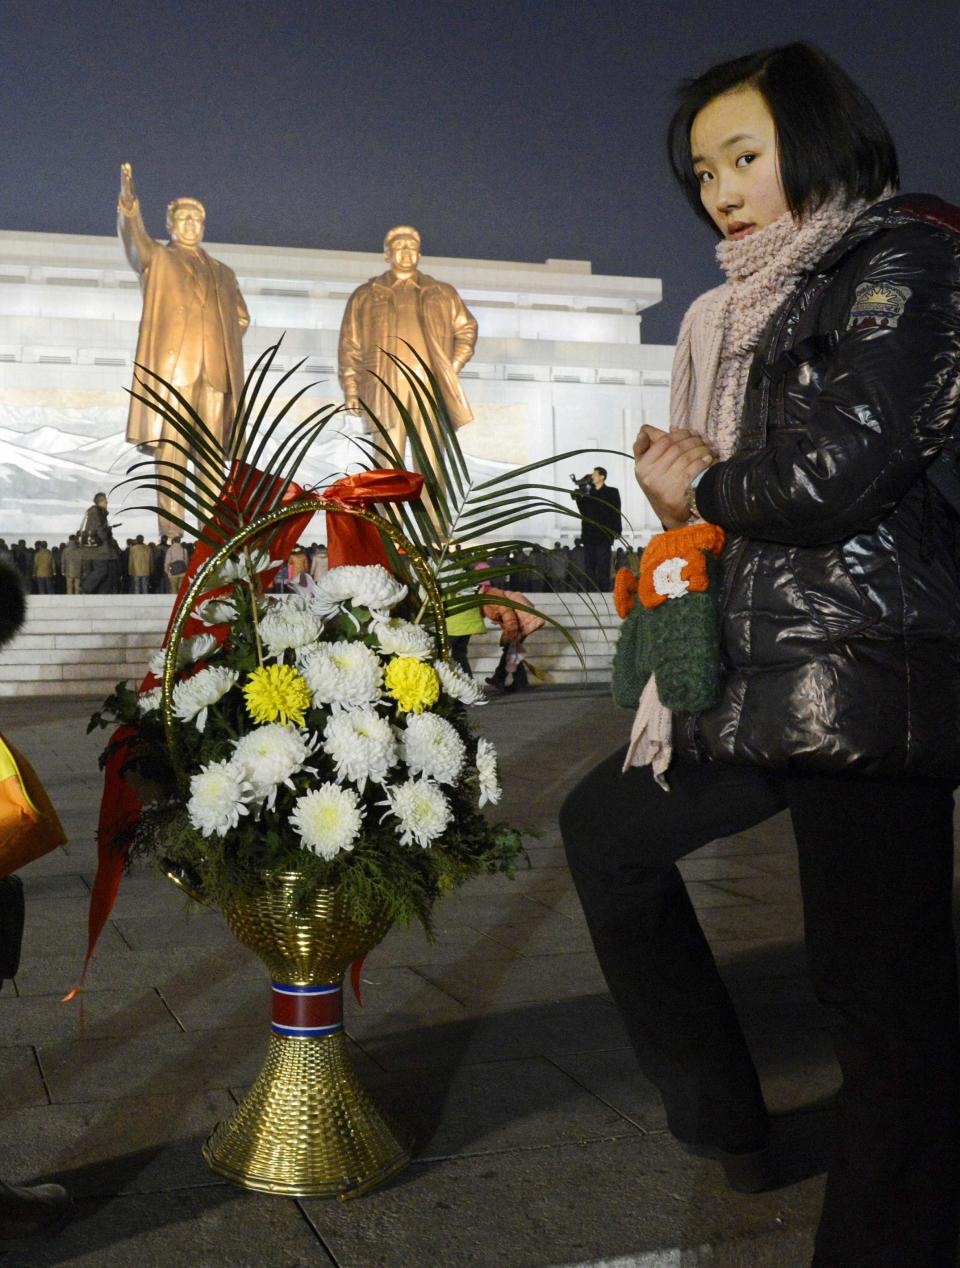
(361, 744)
(155, 664)
(243, 566)
(342, 674)
(289, 599)
(322, 604)
(457, 684)
(421, 808)
(432, 747)
(490, 789)
(286, 627)
(189, 652)
(667, 580)
(328, 819)
(192, 698)
(216, 612)
(147, 701)
(235, 568)
(402, 638)
(199, 647)
(218, 797)
(271, 755)
(366, 585)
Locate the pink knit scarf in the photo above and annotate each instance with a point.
(721, 330)
(718, 337)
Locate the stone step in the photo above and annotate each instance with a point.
(96, 689)
(82, 645)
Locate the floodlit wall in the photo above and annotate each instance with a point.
(559, 365)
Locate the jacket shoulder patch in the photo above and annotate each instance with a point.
(878, 304)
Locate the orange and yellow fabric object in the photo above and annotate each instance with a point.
(29, 827)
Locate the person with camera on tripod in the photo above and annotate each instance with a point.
(598, 504)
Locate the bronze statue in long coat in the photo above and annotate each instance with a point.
(400, 307)
(191, 327)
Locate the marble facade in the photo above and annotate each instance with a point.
(559, 365)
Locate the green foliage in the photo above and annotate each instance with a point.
(264, 465)
(463, 510)
(119, 709)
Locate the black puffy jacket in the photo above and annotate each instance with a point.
(840, 582)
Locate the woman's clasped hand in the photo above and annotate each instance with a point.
(666, 462)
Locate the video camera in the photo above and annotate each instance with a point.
(584, 484)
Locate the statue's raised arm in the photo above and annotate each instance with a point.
(137, 243)
(128, 191)
(191, 327)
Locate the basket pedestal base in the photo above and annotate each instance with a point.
(307, 1128)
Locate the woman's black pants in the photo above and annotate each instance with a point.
(458, 651)
(876, 869)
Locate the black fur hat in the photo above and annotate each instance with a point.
(13, 603)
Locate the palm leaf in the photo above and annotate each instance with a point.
(249, 394)
(205, 441)
(266, 476)
(462, 509)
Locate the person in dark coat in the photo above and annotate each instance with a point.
(839, 697)
(100, 549)
(601, 522)
(23, 560)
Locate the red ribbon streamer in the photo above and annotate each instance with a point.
(356, 968)
(120, 807)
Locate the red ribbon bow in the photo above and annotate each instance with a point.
(351, 540)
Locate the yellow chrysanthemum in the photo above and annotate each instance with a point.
(414, 685)
(277, 693)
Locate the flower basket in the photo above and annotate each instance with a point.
(321, 781)
(304, 764)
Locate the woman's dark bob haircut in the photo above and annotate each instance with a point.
(829, 134)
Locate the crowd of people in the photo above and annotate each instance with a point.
(92, 561)
(558, 568)
(138, 567)
(155, 567)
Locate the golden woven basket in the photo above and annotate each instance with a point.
(306, 1128)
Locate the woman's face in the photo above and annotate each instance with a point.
(733, 145)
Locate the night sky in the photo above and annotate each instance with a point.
(505, 131)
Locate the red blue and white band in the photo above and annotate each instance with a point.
(307, 1012)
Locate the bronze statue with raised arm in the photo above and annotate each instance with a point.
(404, 306)
(191, 327)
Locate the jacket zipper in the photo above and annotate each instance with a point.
(772, 354)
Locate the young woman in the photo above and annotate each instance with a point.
(813, 395)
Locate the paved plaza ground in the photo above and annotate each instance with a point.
(539, 1145)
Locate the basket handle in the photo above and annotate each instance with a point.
(300, 507)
